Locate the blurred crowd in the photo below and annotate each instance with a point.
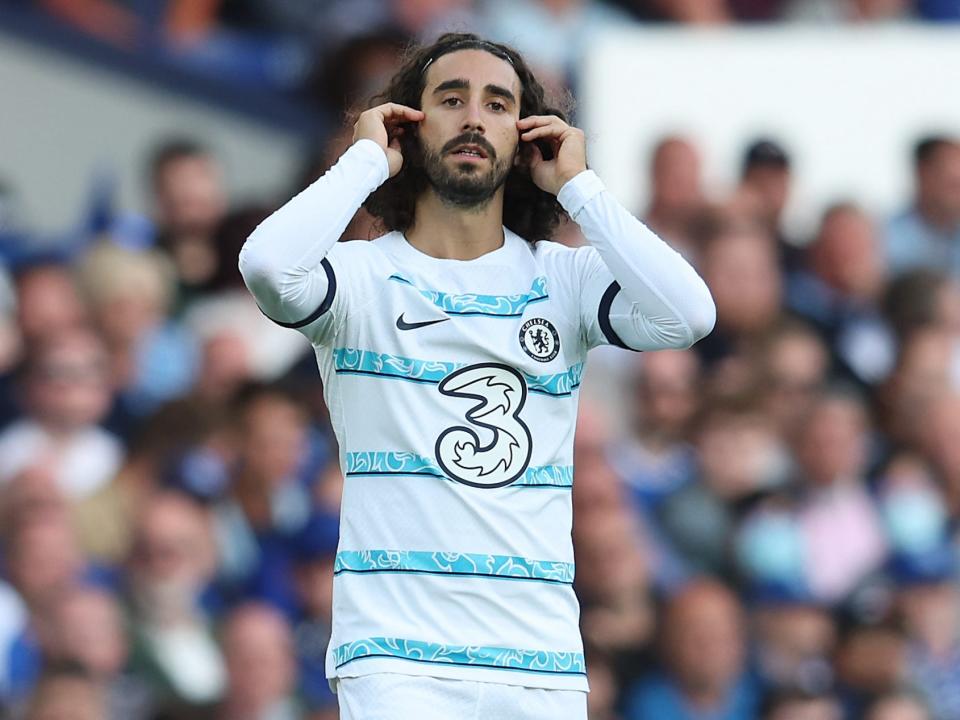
(766, 526)
(302, 47)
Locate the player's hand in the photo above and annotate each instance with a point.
(569, 150)
(384, 125)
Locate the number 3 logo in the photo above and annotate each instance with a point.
(502, 393)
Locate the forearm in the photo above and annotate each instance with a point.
(665, 290)
(281, 260)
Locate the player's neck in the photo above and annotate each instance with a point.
(443, 231)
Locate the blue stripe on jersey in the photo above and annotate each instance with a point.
(508, 567)
(406, 463)
(558, 385)
(352, 361)
(537, 661)
(489, 305)
(368, 362)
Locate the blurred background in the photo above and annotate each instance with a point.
(767, 525)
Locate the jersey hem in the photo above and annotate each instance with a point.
(503, 676)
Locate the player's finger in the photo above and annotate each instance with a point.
(538, 120)
(397, 112)
(546, 131)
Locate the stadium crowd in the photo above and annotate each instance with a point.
(291, 45)
(766, 525)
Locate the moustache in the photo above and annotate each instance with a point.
(470, 139)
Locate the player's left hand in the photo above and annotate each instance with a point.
(569, 150)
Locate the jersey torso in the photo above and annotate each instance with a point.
(452, 388)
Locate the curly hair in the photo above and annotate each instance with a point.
(528, 211)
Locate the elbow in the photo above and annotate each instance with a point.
(255, 262)
(255, 266)
(702, 318)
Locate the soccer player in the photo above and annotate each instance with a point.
(451, 350)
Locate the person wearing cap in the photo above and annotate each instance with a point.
(765, 181)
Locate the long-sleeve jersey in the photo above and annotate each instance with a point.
(452, 388)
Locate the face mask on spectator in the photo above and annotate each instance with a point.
(915, 519)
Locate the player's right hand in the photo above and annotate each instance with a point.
(384, 125)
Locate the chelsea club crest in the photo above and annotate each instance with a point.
(539, 339)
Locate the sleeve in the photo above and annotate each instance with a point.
(285, 261)
(636, 291)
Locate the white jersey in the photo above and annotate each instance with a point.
(452, 388)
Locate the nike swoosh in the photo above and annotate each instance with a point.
(403, 325)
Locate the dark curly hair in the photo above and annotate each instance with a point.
(530, 212)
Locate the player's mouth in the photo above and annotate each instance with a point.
(469, 152)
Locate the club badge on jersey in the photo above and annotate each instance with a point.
(539, 339)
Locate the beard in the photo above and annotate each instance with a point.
(465, 185)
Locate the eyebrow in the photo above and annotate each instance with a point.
(462, 84)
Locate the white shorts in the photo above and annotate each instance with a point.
(391, 696)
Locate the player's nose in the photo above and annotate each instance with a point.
(472, 118)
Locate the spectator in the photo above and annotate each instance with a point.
(184, 443)
(842, 536)
(66, 694)
(565, 29)
(261, 670)
(871, 660)
(616, 616)
(704, 654)
(354, 71)
(314, 555)
(189, 200)
(602, 699)
(841, 290)
(44, 304)
(927, 599)
(923, 566)
(656, 459)
(852, 11)
(172, 563)
(794, 643)
(67, 392)
(741, 459)
(919, 299)
(676, 194)
(801, 706)
(794, 366)
(33, 493)
(43, 564)
(925, 370)
(765, 182)
(898, 706)
(739, 264)
(927, 235)
(151, 358)
(88, 631)
(48, 301)
(694, 12)
(43, 561)
(268, 502)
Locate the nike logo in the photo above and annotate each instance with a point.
(404, 325)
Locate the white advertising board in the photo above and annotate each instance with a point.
(848, 104)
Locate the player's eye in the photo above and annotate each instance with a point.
(451, 101)
(498, 106)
